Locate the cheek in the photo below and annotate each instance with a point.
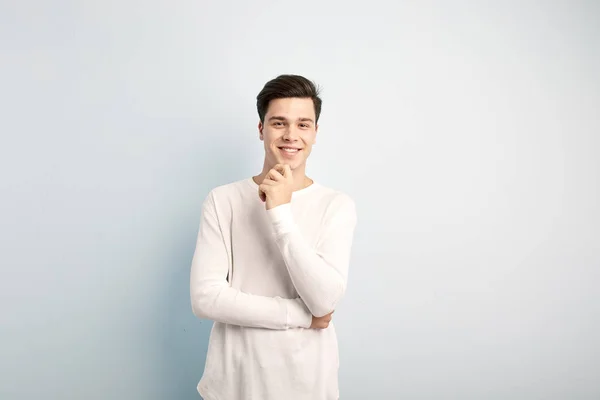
(310, 139)
(270, 138)
(267, 139)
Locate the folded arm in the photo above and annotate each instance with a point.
(212, 297)
(318, 274)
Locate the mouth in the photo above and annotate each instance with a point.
(289, 151)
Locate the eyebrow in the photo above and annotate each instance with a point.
(280, 118)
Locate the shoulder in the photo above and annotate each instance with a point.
(224, 196)
(229, 189)
(334, 196)
(337, 202)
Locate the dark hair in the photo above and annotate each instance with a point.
(285, 86)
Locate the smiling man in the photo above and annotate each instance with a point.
(271, 264)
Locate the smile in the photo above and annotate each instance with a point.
(289, 150)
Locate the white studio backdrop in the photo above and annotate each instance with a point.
(467, 133)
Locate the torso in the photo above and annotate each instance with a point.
(263, 364)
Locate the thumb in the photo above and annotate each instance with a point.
(262, 194)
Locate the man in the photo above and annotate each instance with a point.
(271, 264)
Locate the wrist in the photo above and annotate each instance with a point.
(298, 315)
(281, 218)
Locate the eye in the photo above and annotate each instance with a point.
(305, 125)
(277, 123)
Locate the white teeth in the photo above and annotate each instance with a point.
(289, 150)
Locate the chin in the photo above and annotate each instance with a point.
(294, 164)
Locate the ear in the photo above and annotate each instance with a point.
(260, 130)
(316, 131)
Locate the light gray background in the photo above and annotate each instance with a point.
(467, 132)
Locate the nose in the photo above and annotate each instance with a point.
(291, 134)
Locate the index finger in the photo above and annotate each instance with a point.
(287, 171)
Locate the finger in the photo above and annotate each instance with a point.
(287, 171)
(275, 175)
(279, 168)
(270, 182)
(282, 168)
(265, 188)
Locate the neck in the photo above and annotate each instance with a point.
(299, 174)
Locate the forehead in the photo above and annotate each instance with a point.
(292, 108)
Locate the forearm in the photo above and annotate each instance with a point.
(219, 302)
(319, 275)
(319, 285)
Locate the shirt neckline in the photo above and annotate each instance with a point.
(295, 193)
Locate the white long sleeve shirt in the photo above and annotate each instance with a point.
(260, 276)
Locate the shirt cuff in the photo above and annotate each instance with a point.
(282, 218)
(298, 315)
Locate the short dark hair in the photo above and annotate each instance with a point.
(285, 86)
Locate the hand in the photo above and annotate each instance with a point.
(321, 322)
(277, 187)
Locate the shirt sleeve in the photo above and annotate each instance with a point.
(319, 274)
(212, 297)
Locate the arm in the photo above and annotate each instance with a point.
(212, 297)
(319, 275)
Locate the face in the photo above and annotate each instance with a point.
(289, 131)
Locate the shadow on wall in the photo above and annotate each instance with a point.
(183, 337)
